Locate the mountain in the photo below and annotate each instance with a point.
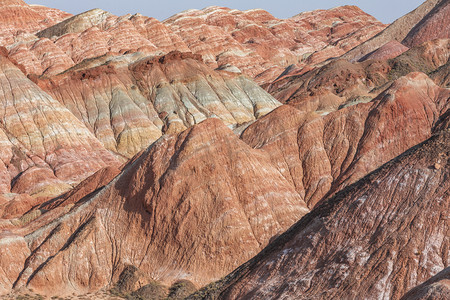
(320, 154)
(128, 106)
(340, 83)
(435, 25)
(198, 197)
(17, 19)
(45, 149)
(377, 238)
(147, 159)
(252, 41)
(398, 30)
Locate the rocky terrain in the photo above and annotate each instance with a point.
(224, 154)
(361, 242)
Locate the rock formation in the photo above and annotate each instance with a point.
(45, 149)
(18, 19)
(252, 42)
(435, 25)
(340, 83)
(389, 50)
(319, 154)
(398, 30)
(147, 159)
(377, 238)
(437, 287)
(128, 107)
(200, 197)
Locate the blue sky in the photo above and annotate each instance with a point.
(384, 10)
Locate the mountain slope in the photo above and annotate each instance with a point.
(437, 288)
(199, 197)
(253, 41)
(45, 149)
(375, 239)
(17, 19)
(435, 25)
(128, 105)
(322, 154)
(398, 31)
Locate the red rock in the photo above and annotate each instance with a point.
(251, 41)
(197, 202)
(157, 33)
(437, 287)
(91, 184)
(44, 147)
(387, 51)
(186, 201)
(53, 14)
(334, 84)
(122, 105)
(340, 83)
(17, 205)
(18, 18)
(322, 154)
(373, 239)
(435, 25)
(255, 38)
(341, 28)
(41, 57)
(398, 31)
(13, 251)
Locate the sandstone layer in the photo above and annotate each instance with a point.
(340, 83)
(45, 149)
(18, 20)
(143, 159)
(199, 197)
(437, 288)
(322, 154)
(399, 29)
(377, 238)
(253, 42)
(130, 105)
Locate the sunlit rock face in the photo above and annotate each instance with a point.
(373, 238)
(129, 106)
(138, 157)
(205, 195)
(45, 148)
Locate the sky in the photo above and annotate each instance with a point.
(384, 10)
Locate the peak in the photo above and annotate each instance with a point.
(12, 2)
(215, 8)
(435, 25)
(77, 23)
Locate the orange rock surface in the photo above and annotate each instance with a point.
(376, 238)
(142, 158)
(199, 197)
(45, 149)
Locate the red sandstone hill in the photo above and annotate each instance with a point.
(128, 106)
(322, 154)
(201, 198)
(423, 22)
(340, 83)
(252, 41)
(437, 288)
(214, 167)
(204, 195)
(375, 239)
(45, 149)
(18, 18)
